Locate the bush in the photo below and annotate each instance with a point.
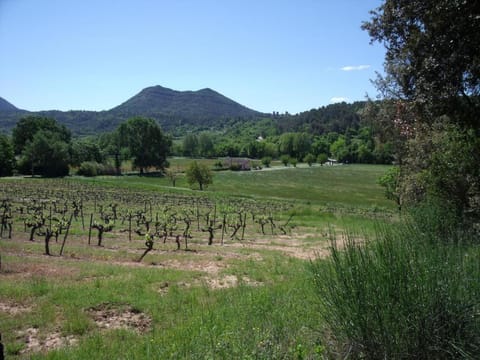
(322, 158)
(92, 168)
(285, 159)
(402, 295)
(267, 160)
(88, 168)
(309, 159)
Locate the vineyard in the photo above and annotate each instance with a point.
(162, 273)
(59, 210)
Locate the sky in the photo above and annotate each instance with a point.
(269, 55)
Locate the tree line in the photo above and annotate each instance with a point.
(42, 146)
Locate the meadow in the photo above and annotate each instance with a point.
(249, 295)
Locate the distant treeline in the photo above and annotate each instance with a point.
(340, 131)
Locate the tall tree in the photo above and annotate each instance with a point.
(147, 144)
(432, 68)
(432, 54)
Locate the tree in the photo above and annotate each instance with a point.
(7, 158)
(172, 175)
(391, 182)
(43, 145)
(146, 143)
(322, 158)
(199, 173)
(309, 159)
(433, 53)
(205, 145)
(190, 145)
(46, 155)
(339, 149)
(111, 145)
(432, 68)
(285, 144)
(285, 159)
(85, 150)
(301, 145)
(266, 161)
(27, 127)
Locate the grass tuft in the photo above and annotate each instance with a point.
(402, 294)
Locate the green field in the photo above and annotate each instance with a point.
(340, 186)
(250, 298)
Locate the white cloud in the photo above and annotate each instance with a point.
(355, 68)
(338, 99)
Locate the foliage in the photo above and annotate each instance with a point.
(408, 293)
(85, 150)
(173, 175)
(199, 173)
(445, 165)
(432, 68)
(205, 145)
(309, 159)
(339, 149)
(7, 157)
(27, 127)
(432, 54)
(322, 158)
(93, 168)
(111, 145)
(43, 145)
(46, 155)
(190, 145)
(391, 182)
(266, 161)
(285, 159)
(146, 143)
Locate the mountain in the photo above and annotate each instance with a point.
(201, 104)
(173, 110)
(6, 106)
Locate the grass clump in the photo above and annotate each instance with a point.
(411, 292)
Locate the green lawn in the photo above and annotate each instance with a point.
(352, 185)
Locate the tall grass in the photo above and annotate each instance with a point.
(411, 292)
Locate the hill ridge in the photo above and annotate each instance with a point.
(7, 106)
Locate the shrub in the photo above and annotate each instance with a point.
(309, 159)
(402, 295)
(92, 168)
(88, 168)
(322, 158)
(267, 160)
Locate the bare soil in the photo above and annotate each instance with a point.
(35, 343)
(109, 317)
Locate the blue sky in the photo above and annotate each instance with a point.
(269, 55)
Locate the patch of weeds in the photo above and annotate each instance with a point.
(76, 323)
(39, 286)
(14, 348)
